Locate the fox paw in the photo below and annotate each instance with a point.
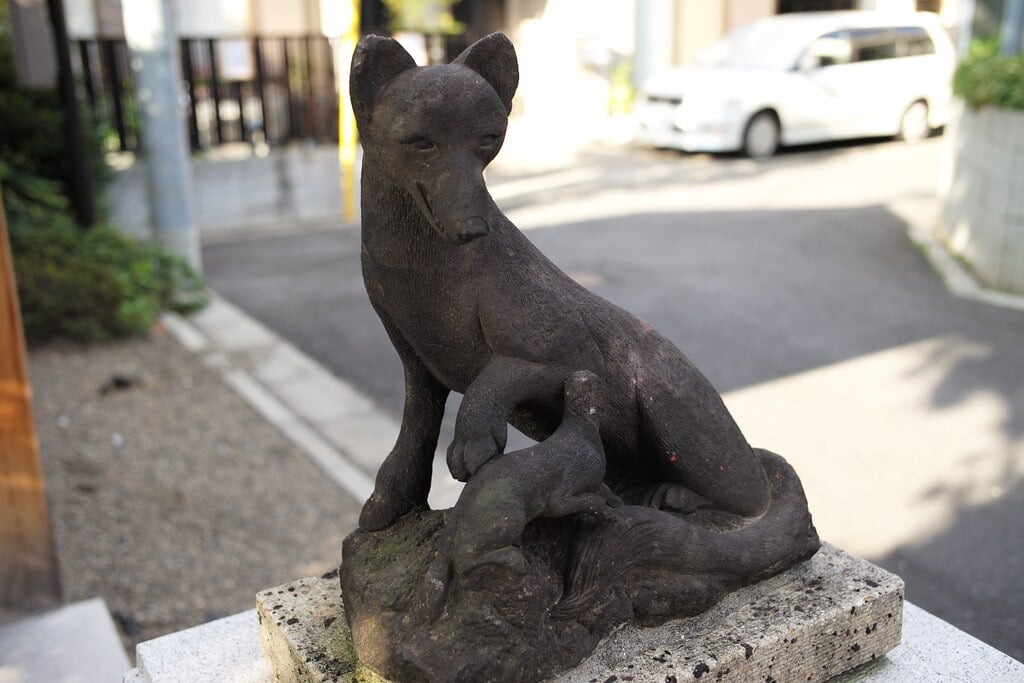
(673, 498)
(466, 457)
(379, 511)
(473, 447)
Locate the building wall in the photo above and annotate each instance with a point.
(744, 11)
(210, 18)
(88, 19)
(888, 5)
(699, 23)
(553, 40)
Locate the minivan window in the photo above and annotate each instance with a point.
(914, 40)
(870, 44)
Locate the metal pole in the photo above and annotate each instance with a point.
(90, 89)
(80, 182)
(655, 23)
(149, 31)
(1012, 26)
(188, 70)
(292, 125)
(215, 89)
(257, 47)
(108, 60)
(311, 127)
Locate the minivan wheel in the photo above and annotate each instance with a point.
(761, 138)
(914, 125)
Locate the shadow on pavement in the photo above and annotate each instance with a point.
(983, 602)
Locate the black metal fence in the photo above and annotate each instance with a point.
(286, 92)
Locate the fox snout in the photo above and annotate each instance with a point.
(472, 228)
(459, 212)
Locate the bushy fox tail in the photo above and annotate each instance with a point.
(665, 564)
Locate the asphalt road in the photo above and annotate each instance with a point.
(793, 286)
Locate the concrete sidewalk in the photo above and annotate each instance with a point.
(340, 428)
(170, 497)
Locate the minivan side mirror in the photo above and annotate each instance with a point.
(808, 62)
(828, 50)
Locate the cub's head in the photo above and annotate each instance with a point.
(434, 129)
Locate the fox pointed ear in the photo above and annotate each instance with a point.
(494, 58)
(376, 61)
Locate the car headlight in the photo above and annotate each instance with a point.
(696, 113)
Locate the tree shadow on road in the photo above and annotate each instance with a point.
(970, 573)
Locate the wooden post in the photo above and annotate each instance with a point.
(29, 577)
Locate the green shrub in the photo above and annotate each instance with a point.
(987, 79)
(92, 285)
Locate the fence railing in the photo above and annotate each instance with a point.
(265, 89)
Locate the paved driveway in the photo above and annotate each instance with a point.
(792, 285)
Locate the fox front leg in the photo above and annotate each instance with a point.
(403, 480)
(481, 427)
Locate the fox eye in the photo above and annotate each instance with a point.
(489, 140)
(420, 144)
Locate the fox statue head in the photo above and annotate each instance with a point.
(432, 130)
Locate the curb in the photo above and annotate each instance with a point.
(341, 430)
(956, 277)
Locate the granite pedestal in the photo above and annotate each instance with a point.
(815, 621)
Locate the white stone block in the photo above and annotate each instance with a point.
(74, 644)
(222, 651)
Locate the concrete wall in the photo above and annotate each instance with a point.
(699, 23)
(744, 11)
(203, 18)
(235, 188)
(888, 5)
(982, 185)
(294, 18)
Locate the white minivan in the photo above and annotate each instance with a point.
(804, 77)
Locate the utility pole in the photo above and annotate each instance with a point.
(965, 28)
(149, 31)
(1012, 27)
(81, 187)
(654, 25)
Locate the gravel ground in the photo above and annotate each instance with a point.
(171, 498)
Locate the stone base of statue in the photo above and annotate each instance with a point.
(812, 622)
(538, 561)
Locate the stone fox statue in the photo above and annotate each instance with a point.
(472, 306)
